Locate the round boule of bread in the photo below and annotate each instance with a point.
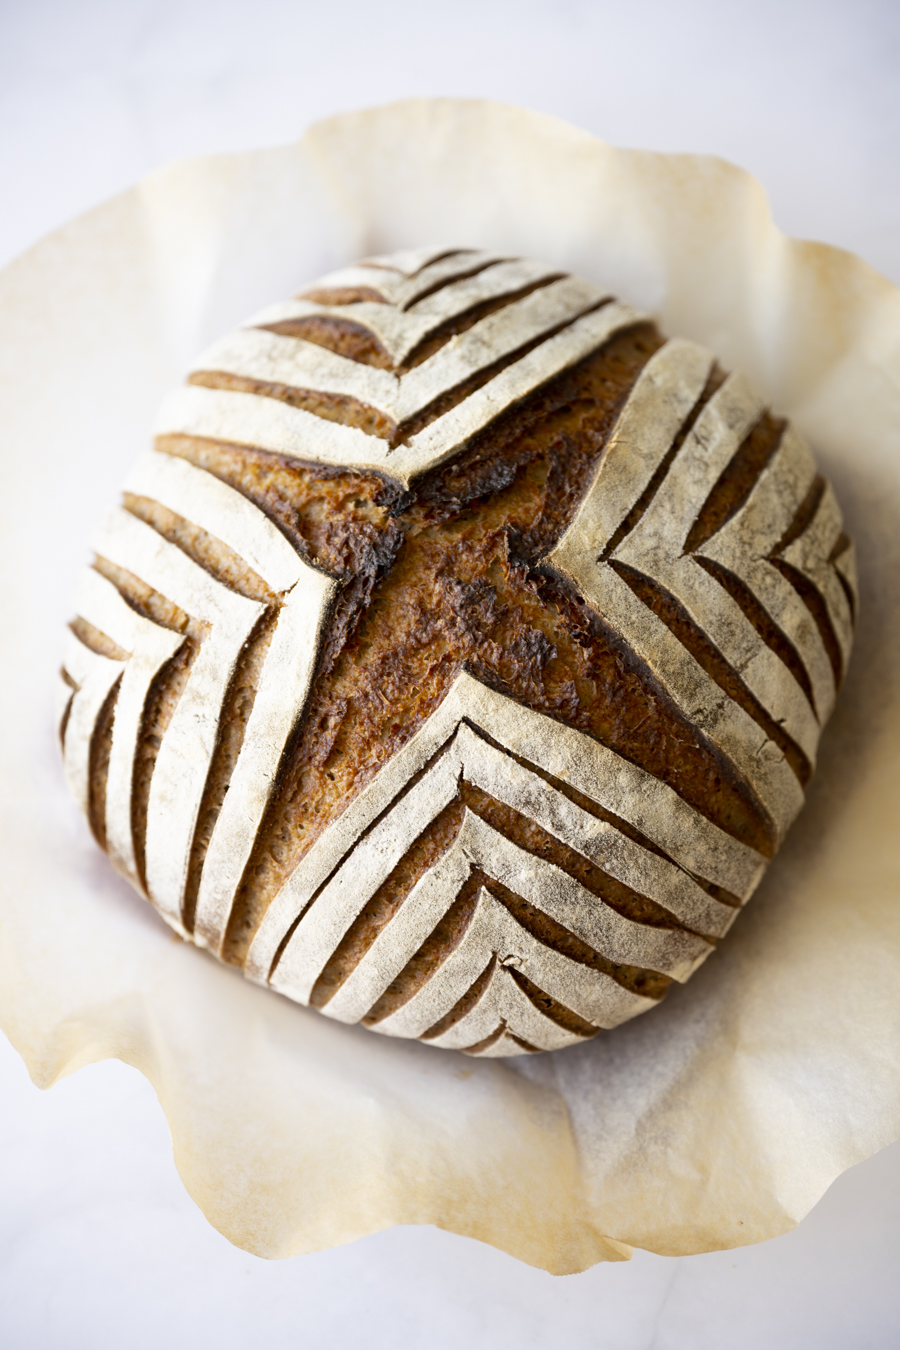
(456, 660)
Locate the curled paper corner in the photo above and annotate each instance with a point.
(718, 1119)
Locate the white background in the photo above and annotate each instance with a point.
(99, 1244)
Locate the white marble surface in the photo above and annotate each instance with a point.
(99, 1244)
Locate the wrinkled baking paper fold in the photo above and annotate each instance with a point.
(715, 1120)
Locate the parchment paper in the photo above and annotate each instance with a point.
(716, 1120)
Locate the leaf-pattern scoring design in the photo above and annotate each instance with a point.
(767, 596)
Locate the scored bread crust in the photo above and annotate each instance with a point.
(458, 657)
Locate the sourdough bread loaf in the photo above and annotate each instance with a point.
(457, 658)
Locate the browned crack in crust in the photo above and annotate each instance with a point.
(97, 641)
(341, 295)
(342, 336)
(444, 577)
(332, 407)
